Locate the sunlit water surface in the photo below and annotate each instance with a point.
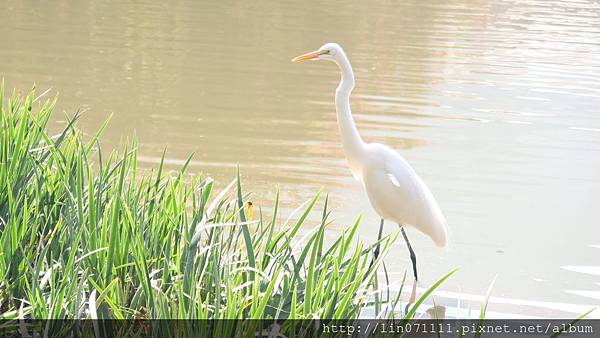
(495, 103)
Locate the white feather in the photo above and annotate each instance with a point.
(395, 190)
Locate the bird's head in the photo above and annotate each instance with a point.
(329, 51)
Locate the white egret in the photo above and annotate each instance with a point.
(394, 189)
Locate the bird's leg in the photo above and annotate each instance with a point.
(413, 257)
(376, 253)
(412, 298)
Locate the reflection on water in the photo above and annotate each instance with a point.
(585, 293)
(495, 103)
(590, 270)
(465, 305)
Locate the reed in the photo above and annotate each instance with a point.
(89, 235)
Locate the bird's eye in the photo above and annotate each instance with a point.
(326, 52)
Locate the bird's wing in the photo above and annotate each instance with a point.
(425, 213)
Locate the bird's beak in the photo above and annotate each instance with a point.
(307, 56)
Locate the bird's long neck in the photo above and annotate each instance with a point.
(351, 140)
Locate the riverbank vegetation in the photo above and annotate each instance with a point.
(85, 234)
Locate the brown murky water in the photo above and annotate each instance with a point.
(495, 103)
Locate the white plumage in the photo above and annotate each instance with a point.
(395, 190)
(399, 195)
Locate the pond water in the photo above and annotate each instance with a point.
(496, 104)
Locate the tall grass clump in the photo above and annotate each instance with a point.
(84, 235)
